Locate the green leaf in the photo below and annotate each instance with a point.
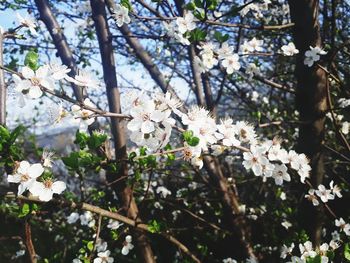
(72, 161)
(347, 251)
(194, 141)
(220, 37)
(25, 209)
(81, 138)
(212, 4)
(191, 6)
(199, 3)
(197, 35)
(126, 4)
(90, 245)
(4, 133)
(31, 60)
(15, 133)
(154, 226)
(96, 140)
(187, 135)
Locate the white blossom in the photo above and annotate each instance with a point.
(45, 190)
(27, 21)
(103, 257)
(345, 227)
(186, 23)
(72, 218)
(163, 191)
(127, 245)
(231, 63)
(25, 175)
(290, 49)
(121, 15)
(114, 224)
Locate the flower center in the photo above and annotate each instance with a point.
(48, 184)
(24, 177)
(35, 81)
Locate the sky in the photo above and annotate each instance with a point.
(8, 20)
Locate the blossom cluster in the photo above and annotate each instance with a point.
(323, 193)
(151, 123)
(26, 175)
(179, 27)
(307, 251)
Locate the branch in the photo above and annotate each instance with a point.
(111, 215)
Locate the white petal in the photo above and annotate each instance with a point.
(58, 187)
(48, 83)
(42, 72)
(27, 72)
(134, 125)
(35, 92)
(23, 167)
(16, 178)
(36, 188)
(46, 195)
(147, 127)
(35, 170)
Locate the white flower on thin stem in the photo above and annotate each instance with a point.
(58, 71)
(84, 79)
(114, 224)
(86, 218)
(335, 189)
(101, 245)
(27, 21)
(25, 175)
(103, 257)
(121, 15)
(72, 218)
(245, 132)
(163, 191)
(231, 63)
(127, 246)
(224, 51)
(286, 224)
(343, 226)
(313, 55)
(46, 158)
(290, 49)
(324, 193)
(193, 155)
(255, 160)
(32, 82)
(46, 189)
(145, 116)
(83, 116)
(312, 197)
(306, 250)
(186, 23)
(280, 174)
(227, 133)
(285, 251)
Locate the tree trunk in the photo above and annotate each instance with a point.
(109, 73)
(311, 101)
(60, 42)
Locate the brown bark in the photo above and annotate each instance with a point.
(109, 73)
(60, 42)
(30, 255)
(311, 101)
